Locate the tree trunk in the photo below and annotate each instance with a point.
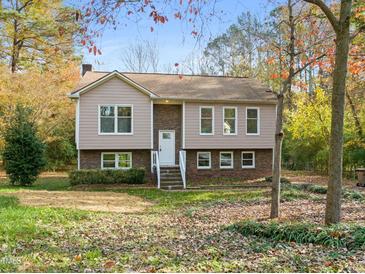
(275, 193)
(333, 205)
(279, 135)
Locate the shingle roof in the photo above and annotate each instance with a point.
(192, 87)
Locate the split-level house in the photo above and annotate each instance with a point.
(179, 128)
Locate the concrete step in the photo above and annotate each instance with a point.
(172, 187)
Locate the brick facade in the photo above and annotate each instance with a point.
(91, 159)
(263, 165)
(167, 117)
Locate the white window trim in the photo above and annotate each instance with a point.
(116, 119)
(258, 120)
(220, 160)
(253, 159)
(116, 160)
(236, 118)
(200, 120)
(210, 160)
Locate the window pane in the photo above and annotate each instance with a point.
(229, 126)
(204, 159)
(125, 160)
(110, 157)
(125, 111)
(206, 112)
(109, 164)
(106, 124)
(206, 126)
(247, 156)
(247, 162)
(107, 111)
(226, 159)
(229, 113)
(124, 125)
(251, 113)
(252, 126)
(166, 136)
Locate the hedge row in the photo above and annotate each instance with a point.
(350, 236)
(107, 176)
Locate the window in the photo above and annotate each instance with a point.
(108, 160)
(252, 121)
(229, 121)
(125, 160)
(107, 119)
(116, 160)
(166, 135)
(116, 119)
(204, 160)
(206, 121)
(124, 119)
(226, 159)
(248, 159)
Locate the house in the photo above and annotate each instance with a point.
(180, 129)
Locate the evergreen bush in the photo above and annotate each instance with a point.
(24, 151)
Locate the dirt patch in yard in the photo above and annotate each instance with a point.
(94, 201)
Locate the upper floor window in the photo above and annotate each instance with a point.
(252, 121)
(206, 120)
(229, 120)
(116, 119)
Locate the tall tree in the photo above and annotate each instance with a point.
(341, 27)
(36, 32)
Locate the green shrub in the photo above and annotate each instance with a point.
(349, 236)
(353, 195)
(107, 176)
(24, 151)
(283, 180)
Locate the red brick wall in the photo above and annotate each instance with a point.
(167, 117)
(91, 159)
(263, 166)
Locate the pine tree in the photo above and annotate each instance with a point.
(24, 151)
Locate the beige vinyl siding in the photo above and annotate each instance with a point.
(115, 92)
(193, 139)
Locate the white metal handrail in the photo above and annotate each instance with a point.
(156, 165)
(182, 164)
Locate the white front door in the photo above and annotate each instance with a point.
(167, 147)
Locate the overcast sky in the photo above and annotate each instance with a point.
(173, 41)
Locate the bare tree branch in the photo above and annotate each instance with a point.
(327, 11)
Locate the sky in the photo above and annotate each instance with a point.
(173, 40)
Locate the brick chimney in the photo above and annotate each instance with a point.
(85, 68)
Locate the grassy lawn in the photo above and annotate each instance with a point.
(181, 232)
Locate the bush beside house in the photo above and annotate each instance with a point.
(107, 176)
(24, 151)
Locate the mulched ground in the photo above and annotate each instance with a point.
(194, 239)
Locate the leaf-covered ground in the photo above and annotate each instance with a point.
(182, 232)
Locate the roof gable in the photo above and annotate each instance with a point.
(86, 85)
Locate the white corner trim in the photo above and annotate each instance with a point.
(220, 160)
(253, 159)
(197, 160)
(183, 125)
(258, 121)
(77, 126)
(236, 120)
(200, 120)
(78, 159)
(151, 124)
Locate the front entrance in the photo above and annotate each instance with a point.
(167, 147)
